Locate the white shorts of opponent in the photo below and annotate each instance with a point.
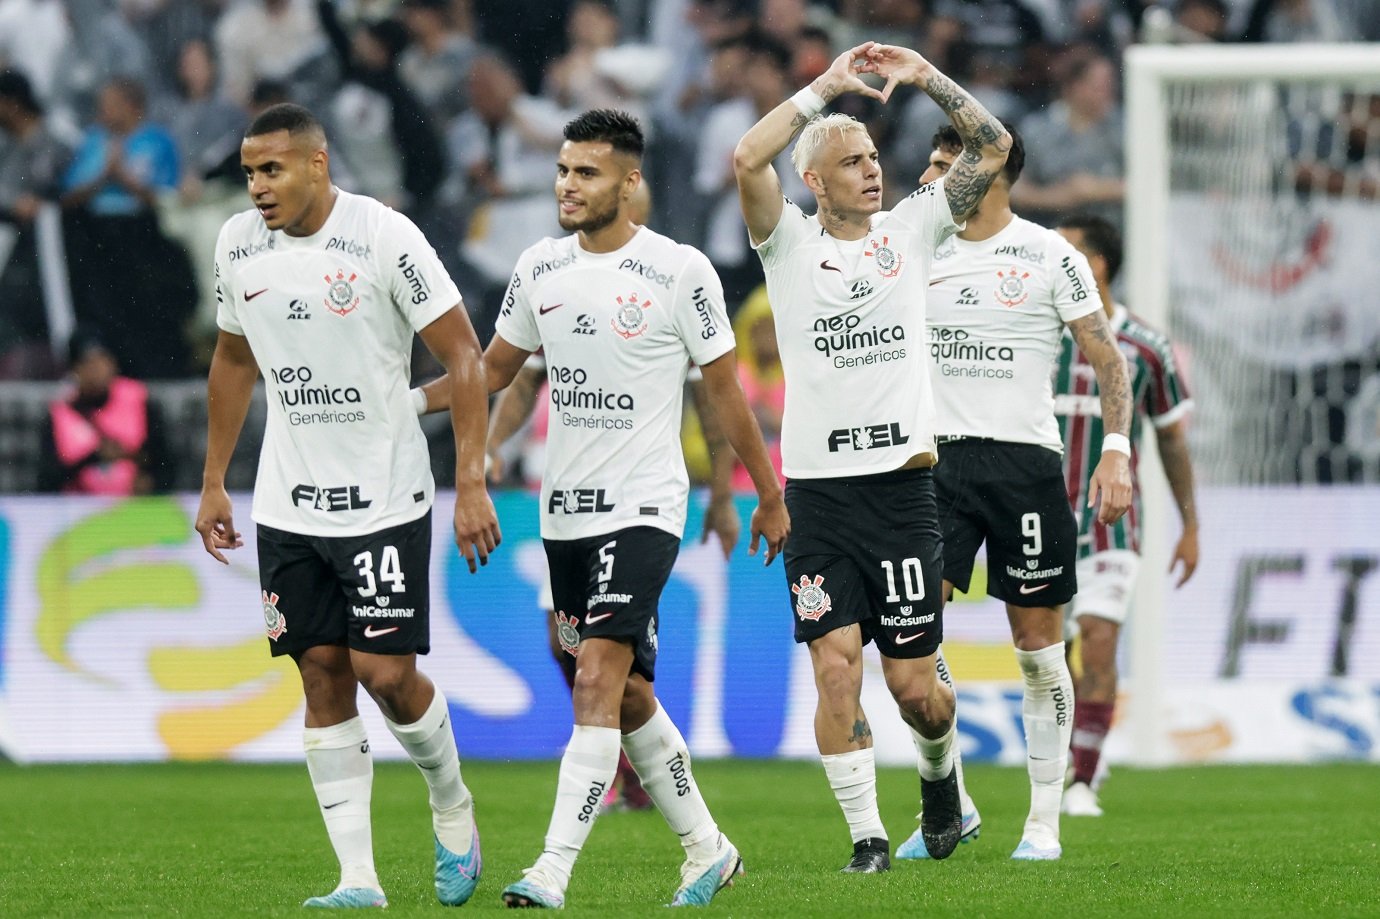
(1105, 585)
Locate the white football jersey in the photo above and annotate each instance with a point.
(619, 331)
(330, 319)
(997, 309)
(850, 325)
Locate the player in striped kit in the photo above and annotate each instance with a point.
(1108, 554)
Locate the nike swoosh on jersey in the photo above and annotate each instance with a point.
(907, 639)
(248, 296)
(1027, 589)
(371, 632)
(827, 267)
(590, 620)
(543, 310)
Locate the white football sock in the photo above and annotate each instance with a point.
(342, 772)
(587, 770)
(853, 778)
(938, 756)
(659, 754)
(1047, 713)
(430, 743)
(942, 666)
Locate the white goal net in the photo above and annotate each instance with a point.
(1253, 239)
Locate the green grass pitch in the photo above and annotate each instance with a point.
(232, 840)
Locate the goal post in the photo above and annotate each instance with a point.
(1211, 117)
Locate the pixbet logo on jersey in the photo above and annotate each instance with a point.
(250, 250)
(649, 272)
(335, 498)
(870, 437)
(578, 501)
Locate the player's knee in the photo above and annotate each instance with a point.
(391, 685)
(926, 702)
(838, 679)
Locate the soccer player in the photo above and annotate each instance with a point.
(323, 291)
(1108, 554)
(621, 312)
(1003, 289)
(848, 288)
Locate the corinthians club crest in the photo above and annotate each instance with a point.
(1011, 290)
(275, 623)
(630, 319)
(341, 298)
(887, 259)
(811, 602)
(567, 633)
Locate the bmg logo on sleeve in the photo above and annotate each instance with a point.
(869, 437)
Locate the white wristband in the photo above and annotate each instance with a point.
(809, 102)
(1116, 443)
(419, 401)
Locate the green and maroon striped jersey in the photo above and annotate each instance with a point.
(1157, 393)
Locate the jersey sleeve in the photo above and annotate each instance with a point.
(515, 322)
(227, 309)
(926, 211)
(1071, 281)
(1167, 396)
(793, 227)
(700, 316)
(417, 281)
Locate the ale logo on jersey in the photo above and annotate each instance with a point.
(1011, 290)
(275, 623)
(341, 298)
(888, 260)
(568, 634)
(630, 316)
(811, 602)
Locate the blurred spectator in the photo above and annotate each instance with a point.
(1337, 157)
(437, 64)
(104, 435)
(528, 33)
(764, 381)
(1074, 158)
(33, 34)
(571, 80)
(504, 149)
(763, 84)
(205, 126)
(1202, 20)
(166, 26)
(31, 165)
(383, 132)
(1298, 21)
(133, 286)
(104, 45)
(811, 53)
(265, 38)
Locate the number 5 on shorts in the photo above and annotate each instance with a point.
(910, 573)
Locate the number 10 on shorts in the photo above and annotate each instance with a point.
(910, 574)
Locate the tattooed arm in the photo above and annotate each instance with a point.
(759, 188)
(1112, 478)
(985, 141)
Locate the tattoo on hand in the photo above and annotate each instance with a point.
(861, 732)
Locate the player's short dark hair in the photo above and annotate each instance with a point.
(285, 116)
(948, 139)
(602, 125)
(1099, 235)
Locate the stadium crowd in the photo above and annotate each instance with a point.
(121, 120)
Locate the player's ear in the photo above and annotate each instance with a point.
(813, 182)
